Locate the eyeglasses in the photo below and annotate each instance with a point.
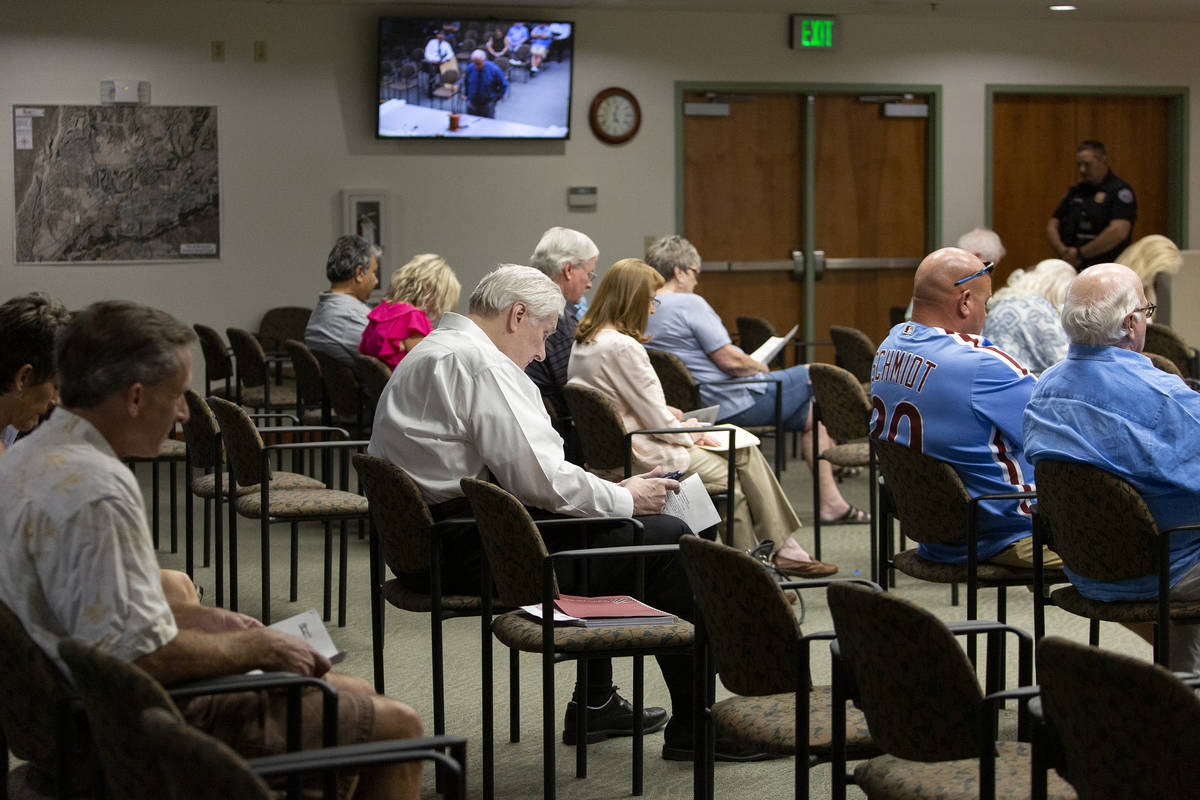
(988, 266)
(1147, 310)
(693, 270)
(657, 301)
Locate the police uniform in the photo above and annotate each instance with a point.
(1086, 210)
(958, 398)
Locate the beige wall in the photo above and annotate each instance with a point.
(297, 130)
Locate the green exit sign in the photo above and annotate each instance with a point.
(813, 32)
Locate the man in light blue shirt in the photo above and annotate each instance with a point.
(687, 326)
(1107, 405)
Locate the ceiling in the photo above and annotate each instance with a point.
(1089, 10)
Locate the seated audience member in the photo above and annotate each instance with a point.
(337, 323)
(1022, 317)
(461, 406)
(518, 34)
(1108, 406)
(539, 45)
(496, 44)
(983, 243)
(84, 567)
(609, 357)
(438, 51)
(483, 85)
(28, 325)
(568, 257)
(1151, 256)
(942, 389)
(420, 292)
(686, 325)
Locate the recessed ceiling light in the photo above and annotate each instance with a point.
(1062, 8)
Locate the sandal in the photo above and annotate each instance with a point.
(853, 516)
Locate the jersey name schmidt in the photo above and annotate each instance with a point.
(901, 367)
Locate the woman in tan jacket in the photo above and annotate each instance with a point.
(608, 356)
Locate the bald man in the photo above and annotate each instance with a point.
(941, 388)
(1107, 405)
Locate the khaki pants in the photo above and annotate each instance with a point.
(1020, 554)
(760, 508)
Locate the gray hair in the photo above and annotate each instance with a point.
(111, 345)
(513, 283)
(28, 327)
(349, 252)
(984, 243)
(558, 246)
(1098, 302)
(671, 252)
(1049, 279)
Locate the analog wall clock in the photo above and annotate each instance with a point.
(615, 115)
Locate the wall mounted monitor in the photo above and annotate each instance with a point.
(453, 77)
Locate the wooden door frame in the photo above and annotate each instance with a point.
(1177, 138)
(933, 158)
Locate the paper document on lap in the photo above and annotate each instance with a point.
(693, 505)
(771, 347)
(308, 626)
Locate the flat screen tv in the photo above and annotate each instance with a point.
(474, 78)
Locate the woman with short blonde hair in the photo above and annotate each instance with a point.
(419, 293)
(608, 356)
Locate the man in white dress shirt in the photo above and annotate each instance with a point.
(459, 405)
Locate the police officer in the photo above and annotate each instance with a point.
(1094, 221)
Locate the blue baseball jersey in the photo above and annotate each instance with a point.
(958, 398)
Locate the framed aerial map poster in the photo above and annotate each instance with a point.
(115, 183)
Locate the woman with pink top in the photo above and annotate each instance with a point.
(420, 292)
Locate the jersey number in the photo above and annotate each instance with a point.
(904, 411)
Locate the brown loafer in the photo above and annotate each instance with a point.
(805, 569)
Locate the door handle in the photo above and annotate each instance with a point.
(818, 264)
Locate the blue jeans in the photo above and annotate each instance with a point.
(797, 393)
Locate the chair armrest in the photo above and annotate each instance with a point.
(343, 444)
(278, 430)
(226, 684)
(276, 415)
(368, 754)
(1005, 496)
(816, 583)
(615, 552)
(739, 381)
(696, 429)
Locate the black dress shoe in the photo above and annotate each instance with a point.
(614, 717)
(677, 746)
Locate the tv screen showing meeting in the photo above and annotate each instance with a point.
(474, 78)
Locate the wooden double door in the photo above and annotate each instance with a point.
(743, 202)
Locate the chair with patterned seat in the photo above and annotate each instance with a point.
(524, 572)
(904, 669)
(373, 375)
(841, 404)
(755, 644)
(344, 393)
(404, 539)
(933, 507)
(853, 351)
(249, 466)
(277, 326)
(1165, 364)
(202, 436)
(218, 362)
(1125, 729)
(255, 389)
(1101, 528)
(195, 766)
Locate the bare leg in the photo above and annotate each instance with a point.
(833, 505)
(393, 720)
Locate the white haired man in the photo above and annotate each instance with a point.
(337, 323)
(1107, 405)
(84, 566)
(568, 257)
(460, 405)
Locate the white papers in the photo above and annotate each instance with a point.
(742, 438)
(535, 611)
(771, 347)
(693, 505)
(308, 626)
(705, 416)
